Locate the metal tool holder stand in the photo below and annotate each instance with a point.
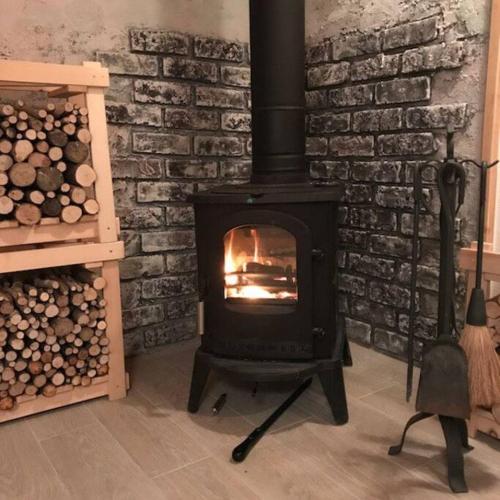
(444, 391)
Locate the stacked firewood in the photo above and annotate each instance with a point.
(52, 332)
(44, 163)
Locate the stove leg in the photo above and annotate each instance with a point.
(201, 370)
(332, 381)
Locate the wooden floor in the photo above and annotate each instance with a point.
(147, 447)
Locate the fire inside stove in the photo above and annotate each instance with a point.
(260, 263)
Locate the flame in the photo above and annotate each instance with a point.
(235, 265)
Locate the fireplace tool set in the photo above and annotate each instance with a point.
(444, 386)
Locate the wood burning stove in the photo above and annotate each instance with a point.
(267, 249)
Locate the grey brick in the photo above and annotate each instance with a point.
(427, 277)
(181, 307)
(178, 239)
(217, 146)
(319, 52)
(133, 114)
(237, 122)
(352, 285)
(235, 169)
(389, 294)
(371, 311)
(328, 122)
(356, 45)
(143, 316)
(136, 168)
(403, 90)
(416, 33)
(150, 91)
(425, 328)
(164, 42)
(428, 304)
(196, 119)
(377, 119)
(370, 218)
(121, 63)
(358, 331)
(439, 116)
(141, 217)
(351, 237)
(377, 171)
(120, 140)
(352, 145)
(192, 169)
(124, 194)
(213, 48)
(394, 197)
(446, 56)
(316, 99)
(220, 98)
(428, 225)
(168, 286)
(316, 146)
(189, 69)
(372, 266)
(130, 294)
(169, 332)
(357, 95)
(390, 342)
(357, 193)
(406, 144)
(168, 144)
(236, 76)
(141, 267)
(338, 170)
(180, 216)
(390, 245)
(163, 191)
(181, 262)
(328, 74)
(376, 67)
(132, 241)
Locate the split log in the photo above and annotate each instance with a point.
(49, 179)
(76, 151)
(82, 175)
(6, 205)
(22, 175)
(21, 150)
(38, 159)
(71, 214)
(57, 138)
(6, 162)
(91, 207)
(28, 214)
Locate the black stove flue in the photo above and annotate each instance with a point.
(267, 249)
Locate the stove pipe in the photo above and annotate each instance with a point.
(277, 40)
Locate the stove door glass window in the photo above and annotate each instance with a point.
(260, 265)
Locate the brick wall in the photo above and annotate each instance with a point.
(377, 108)
(179, 122)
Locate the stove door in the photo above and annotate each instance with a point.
(258, 302)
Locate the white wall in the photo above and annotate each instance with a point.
(71, 30)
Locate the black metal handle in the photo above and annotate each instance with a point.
(243, 449)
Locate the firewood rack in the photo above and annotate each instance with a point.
(91, 243)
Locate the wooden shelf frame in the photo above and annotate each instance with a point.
(491, 124)
(92, 242)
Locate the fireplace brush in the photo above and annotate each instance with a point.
(243, 449)
(476, 340)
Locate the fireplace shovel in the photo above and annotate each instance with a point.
(443, 385)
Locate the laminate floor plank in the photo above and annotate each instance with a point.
(92, 464)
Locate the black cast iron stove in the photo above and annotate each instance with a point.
(267, 249)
